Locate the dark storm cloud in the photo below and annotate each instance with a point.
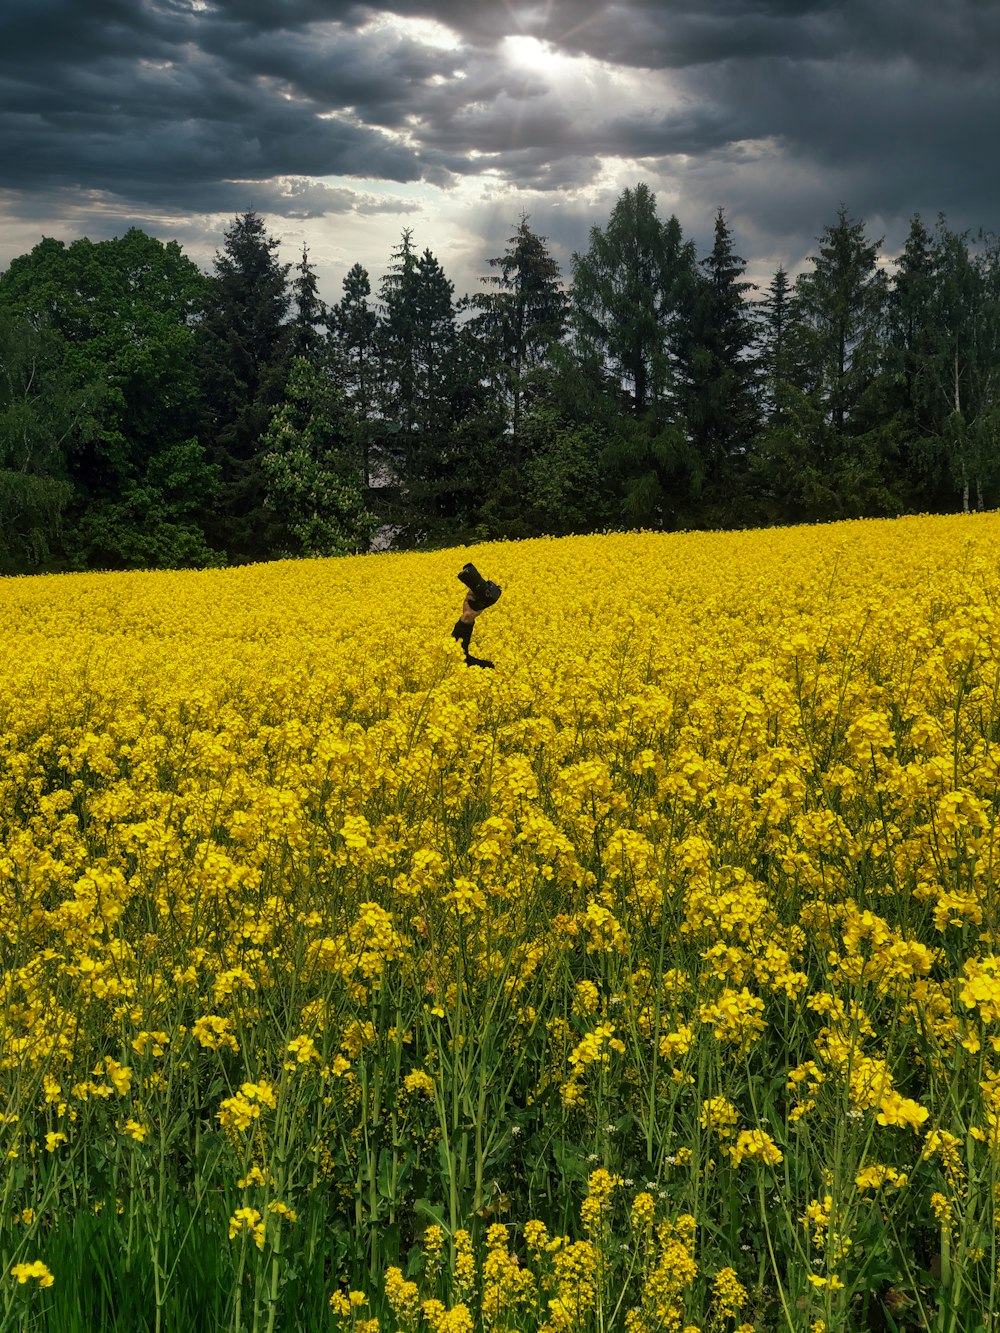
(157, 105)
(198, 106)
(681, 33)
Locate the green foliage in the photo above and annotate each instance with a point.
(40, 413)
(109, 328)
(309, 312)
(839, 309)
(828, 447)
(626, 292)
(144, 418)
(802, 472)
(152, 525)
(717, 368)
(353, 325)
(313, 469)
(521, 317)
(564, 477)
(657, 469)
(429, 389)
(243, 356)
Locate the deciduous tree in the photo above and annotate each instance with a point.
(315, 486)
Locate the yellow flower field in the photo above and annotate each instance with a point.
(648, 982)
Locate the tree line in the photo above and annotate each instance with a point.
(154, 415)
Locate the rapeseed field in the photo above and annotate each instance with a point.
(647, 982)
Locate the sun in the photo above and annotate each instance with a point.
(534, 56)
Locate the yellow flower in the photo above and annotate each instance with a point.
(875, 1176)
(419, 1081)
(719, 1116)
(304, 1049)
(728, 1294)
(903, 1111)
(755, 1143)
(345, 1304)
(643, 1211)
(255, 1176)
(33, 1272)
(247, 1220)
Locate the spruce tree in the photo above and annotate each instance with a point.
(910, 348)
(520, 318)
(628, 293)
(842, 305)
(962, 370)
(625, 296)
(354, 324)
(774, 342)
(244, 350)
(309, 313)
(717, 373)
(418, 368)
(839, 317)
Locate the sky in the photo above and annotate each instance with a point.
(343, 123)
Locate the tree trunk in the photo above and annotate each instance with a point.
(957, 403)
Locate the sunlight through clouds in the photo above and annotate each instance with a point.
(425, 32)
(135, 111)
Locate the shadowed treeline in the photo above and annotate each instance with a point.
(152, 415)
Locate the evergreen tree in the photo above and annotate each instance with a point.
(521, 317)
(786, 472)
(354, 325)
(841, 305)
(625, 296)
(397, 336)
(244, 354)
(420, 382)
(717, 374)
(309, 313)
(832, 455)
(961, 376)
(773, 328)
(911, 339)
(628, 294)
(563, 485)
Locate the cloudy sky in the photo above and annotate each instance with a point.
(343, 123)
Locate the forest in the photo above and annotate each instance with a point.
(156, 416)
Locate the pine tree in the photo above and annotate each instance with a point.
(774, 327)
(244, 355)
(354, 324)
(717, 373)
(625, 296)
(832, 444)
(962, 369)
(520, 319)
(842, 304)
(628, 294)
(910, 347)
(419, 367)
(309, 313)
